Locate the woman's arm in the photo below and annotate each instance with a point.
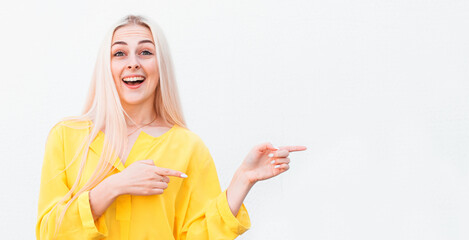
(201, 208)
(204, 212)
(102, 196)
(237, 191)
(77, 221)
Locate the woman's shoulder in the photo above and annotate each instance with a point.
(187, 140)
(72, 124)
(187, 136)
(68, 130)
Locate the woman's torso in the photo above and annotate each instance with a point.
(141, 216)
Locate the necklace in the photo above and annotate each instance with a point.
(141, 127)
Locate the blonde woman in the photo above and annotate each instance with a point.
(128, 168)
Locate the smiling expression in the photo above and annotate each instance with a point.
(134, 65)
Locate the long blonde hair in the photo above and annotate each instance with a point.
(103, 109)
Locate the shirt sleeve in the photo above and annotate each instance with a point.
(78, 222)
(202, 210)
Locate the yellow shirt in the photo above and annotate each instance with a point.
(191, 208)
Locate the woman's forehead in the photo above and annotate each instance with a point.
(132, 31)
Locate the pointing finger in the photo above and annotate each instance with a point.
(294, 148)
(169, 172)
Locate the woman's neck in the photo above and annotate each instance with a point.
(140, 114)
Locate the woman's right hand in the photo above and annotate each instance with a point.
(140, 178)
(144, 178)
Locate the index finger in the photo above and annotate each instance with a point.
(293, 148)
(169, 172)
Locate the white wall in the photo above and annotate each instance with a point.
(378, 91)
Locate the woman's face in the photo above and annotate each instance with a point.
(134, 65)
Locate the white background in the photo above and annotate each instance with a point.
(377, 90)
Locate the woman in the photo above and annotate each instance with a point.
(128, 168)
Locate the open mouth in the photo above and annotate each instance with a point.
(132, 81)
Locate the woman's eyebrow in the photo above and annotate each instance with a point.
(119, 42)
(124, 43)
(146, 41)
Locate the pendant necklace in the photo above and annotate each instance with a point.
(141, 127)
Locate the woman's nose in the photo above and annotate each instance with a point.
(133, 65)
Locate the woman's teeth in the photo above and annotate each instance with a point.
(133, 80)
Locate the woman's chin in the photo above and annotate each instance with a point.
(131, 102)
(135, 100)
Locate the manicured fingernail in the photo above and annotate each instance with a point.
(183, 175)
(275, 147)
(271, 155)
(277, 166)
(273, 161)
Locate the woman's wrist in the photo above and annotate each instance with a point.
(243, 179)
(237, 190)
(246, 177)
(114, 186)
(109, 188)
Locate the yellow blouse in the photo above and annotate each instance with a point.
(191, 208)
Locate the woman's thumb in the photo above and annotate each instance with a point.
(266, 146)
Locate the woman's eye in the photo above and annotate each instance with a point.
(118, 54)
(146, 52)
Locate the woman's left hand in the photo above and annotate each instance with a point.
(265, 161)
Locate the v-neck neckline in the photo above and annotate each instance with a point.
(147, 138)
(143, 141)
